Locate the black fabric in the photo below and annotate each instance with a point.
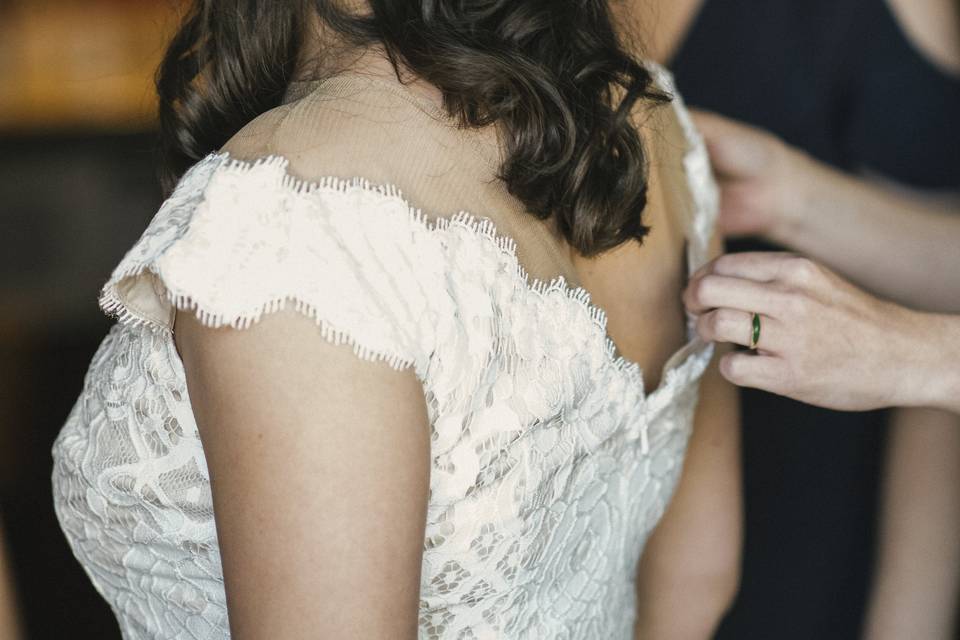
(840, 79)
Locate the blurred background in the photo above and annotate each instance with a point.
(77, 187)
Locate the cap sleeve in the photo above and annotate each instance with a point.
(237, 240)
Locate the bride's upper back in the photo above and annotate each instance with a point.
(366, 124)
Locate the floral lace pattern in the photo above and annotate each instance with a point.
(550, 466)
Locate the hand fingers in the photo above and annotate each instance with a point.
(760, 266)
(756, 371)
(714, 292)
(736, 327)
(736, 150)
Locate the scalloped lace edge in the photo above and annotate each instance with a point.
(113, 304)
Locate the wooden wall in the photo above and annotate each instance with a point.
(81, 64)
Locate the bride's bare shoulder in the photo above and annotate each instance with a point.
(933, 26)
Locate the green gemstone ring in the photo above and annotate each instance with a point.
(755, 335)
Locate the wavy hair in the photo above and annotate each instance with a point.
(554, 75)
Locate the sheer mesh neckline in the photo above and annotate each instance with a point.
(300, 89)
(484, 140)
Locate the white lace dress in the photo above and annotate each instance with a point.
(550, 467)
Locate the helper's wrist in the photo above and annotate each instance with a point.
(798, 202)
(948, 365)
(932, 360)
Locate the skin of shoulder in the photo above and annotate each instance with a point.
(934, 28)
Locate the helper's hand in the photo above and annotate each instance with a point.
(765, 184)
(822, 340)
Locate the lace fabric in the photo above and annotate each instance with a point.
(550, 465)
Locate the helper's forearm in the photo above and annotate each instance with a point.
(917, 579)
(899, 246)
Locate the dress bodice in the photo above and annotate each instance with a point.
(550, 465)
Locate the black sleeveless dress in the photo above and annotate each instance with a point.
(840, 79)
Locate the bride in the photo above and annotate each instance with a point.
(403, 354)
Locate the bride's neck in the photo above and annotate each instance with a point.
(326, 53)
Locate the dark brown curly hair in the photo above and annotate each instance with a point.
(554, 75)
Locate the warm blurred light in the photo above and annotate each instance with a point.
(81, 63)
